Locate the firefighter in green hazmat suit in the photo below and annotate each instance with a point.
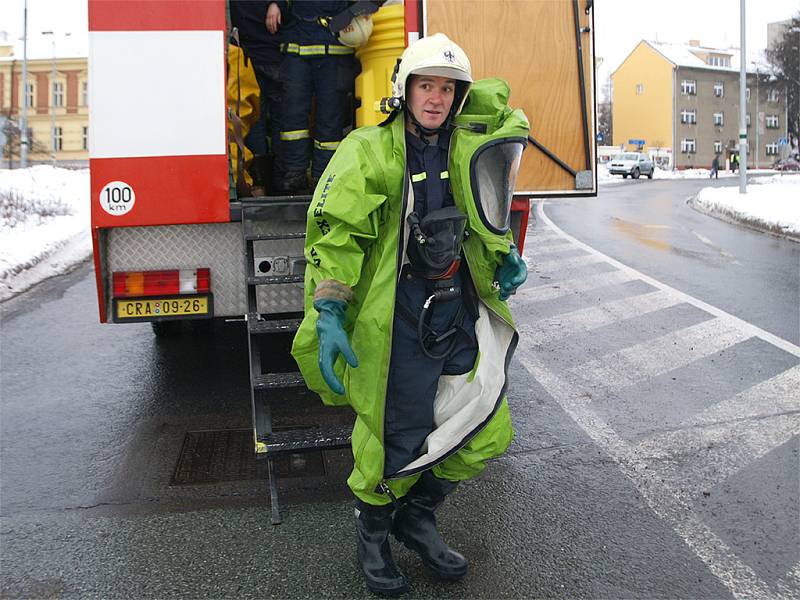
(410, 263)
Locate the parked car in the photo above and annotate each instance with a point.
(633, 164)
(788, 164)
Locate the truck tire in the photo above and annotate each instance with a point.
(650, 174)
(624, 175)
(635, 173)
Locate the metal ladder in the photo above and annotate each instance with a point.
(260, 216)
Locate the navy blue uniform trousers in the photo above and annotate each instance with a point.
(328, 79)
(414, 377)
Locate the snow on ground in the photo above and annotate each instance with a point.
(44, 225)
(771, 203)
(606, 178)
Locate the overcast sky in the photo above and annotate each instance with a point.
(619, 24)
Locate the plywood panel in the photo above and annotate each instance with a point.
(531, 44)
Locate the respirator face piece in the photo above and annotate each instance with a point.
(493, 175)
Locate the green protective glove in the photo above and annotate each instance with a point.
(332, 341)
(511, 274)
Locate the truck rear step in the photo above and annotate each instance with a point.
(269, 443)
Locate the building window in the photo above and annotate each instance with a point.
(28, 94)
(689, 116)
(747, 119)
(772, 121)
(639, 89)
(717, 147)
(58, 141)
(687, 146)
(58, 93)
(719, 61)
(84, 93)
(85, 137)
(773, 95)
(688, 87)
(719, 89)
(772, 149)
(747, 94)
(719, 119)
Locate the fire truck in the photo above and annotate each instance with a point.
(173, 241)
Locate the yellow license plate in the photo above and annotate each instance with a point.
(150, 309)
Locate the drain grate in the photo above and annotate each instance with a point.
(227, 455)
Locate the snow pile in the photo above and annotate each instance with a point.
(771, 203)
(44, 224)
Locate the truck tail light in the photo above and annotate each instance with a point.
(128, 284)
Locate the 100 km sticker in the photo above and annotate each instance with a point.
(117, 198)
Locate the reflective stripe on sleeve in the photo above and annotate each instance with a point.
(416, 177)
(444, 175)
(336, 50)
(297, 134)
(316, 49)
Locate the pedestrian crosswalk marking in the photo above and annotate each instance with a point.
(566, 287)
(567, 263)
(654, 357)
(586, 319)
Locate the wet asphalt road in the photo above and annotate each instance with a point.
(587, 504)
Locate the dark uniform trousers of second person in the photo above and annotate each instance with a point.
(315, 66)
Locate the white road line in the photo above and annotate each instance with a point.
(706, 456)
(566, 287)
(551, 329)
(774, 396)
(660, 355)
(565, 264)
(712, 245)
(720, 559)
(750, 328)
(551, 251)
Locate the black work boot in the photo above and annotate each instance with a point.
(291, 184)
(374, 554)
(415, 526)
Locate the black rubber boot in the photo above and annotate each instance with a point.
(291, 184)
(415, 526)
(374, 554)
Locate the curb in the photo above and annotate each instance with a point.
(736, 219)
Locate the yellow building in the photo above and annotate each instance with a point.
(68, 91)
(680, 103)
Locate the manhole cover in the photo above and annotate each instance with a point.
(227, 455)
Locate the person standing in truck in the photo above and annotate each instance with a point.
(258, 36)
(316, 66)
(410, 263)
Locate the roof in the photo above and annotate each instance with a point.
(40, 47)
(687, 55)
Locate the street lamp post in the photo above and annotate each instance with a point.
(23, 140)
(742, 106)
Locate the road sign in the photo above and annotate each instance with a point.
(636, 142)
(600, 137)
(783, 142)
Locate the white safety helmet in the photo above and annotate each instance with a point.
(435, 55)
(357, 33)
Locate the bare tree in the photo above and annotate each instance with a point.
(784, 57)
(13, 133)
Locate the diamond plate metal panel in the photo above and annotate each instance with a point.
(218, 246)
